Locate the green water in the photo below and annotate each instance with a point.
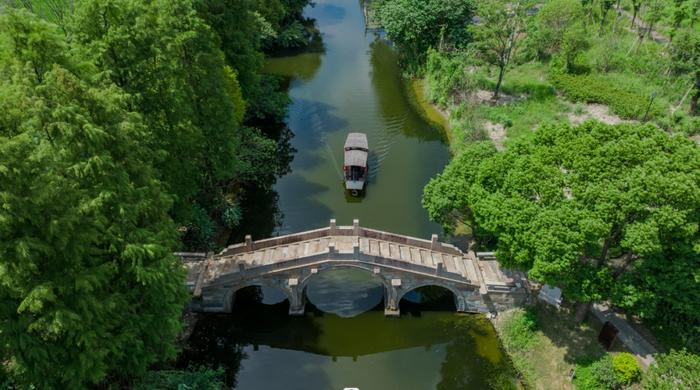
(354, 85)
(262, 347)
(344, 340)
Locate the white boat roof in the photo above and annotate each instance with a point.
(357, 158)
(356, 141)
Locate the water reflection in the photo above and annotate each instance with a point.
(261, 347)
(346, 292)
(354, 85)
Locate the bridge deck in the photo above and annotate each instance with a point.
(459, 265)
(337, 243)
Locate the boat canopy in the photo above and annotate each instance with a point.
(356, 141)
(356, 158)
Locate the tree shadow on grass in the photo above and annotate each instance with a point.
(579, 340)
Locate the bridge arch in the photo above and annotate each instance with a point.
(374, 280)
(455, 293)
(229, 298)
(303, 283)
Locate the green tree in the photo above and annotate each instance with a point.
(685, 56)
(238, 29)
(551, 24)
(636, 6)
(673, 370)
(169, 60)
(88, 283)
(498, 33)
(445, 197)
(584, 207)
(574, 43)
(416, 25)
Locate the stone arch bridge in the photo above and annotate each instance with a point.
(402, 263)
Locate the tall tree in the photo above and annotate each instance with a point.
(636, 6)
(498, 33)
(88, 283)
(416, 25)
(583, 208)
(552, 22)
(685, 54)
(169, 60)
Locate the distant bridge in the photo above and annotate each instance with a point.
(402, 263)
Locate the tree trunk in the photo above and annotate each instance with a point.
(501, 72)
(582, 310)
(696, 95)
(634, 16)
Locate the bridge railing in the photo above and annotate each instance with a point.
(333, 230)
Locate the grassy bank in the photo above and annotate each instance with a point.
(547, 346)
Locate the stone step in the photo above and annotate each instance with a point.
(449, 264)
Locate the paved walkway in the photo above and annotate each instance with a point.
(627, 334)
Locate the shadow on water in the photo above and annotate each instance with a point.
(307, 211)
(261, 347)
(392, 94)
(317, 122)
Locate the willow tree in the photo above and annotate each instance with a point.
(88, 283)
(593, 209)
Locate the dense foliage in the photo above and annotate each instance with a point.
(593, 209)
(592, 89)
(126, 128)
(88, 282)
(498, 32)
(626, 367)
(596, 375)
(673, 370)
(416, 25)
(198, 379)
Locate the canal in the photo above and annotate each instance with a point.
(353, 85)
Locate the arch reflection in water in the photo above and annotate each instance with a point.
(346, 292)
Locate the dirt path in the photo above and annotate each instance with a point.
(655, 35)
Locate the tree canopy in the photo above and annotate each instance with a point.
(88, 282)
(595, 209)
(416, 25)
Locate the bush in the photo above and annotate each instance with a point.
(596, 374)
(198, 379)
(232, 216)
(604, 373)
(674, 370)
(592, 89)
(626, 367)
(447, 78)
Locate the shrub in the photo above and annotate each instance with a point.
(674, 370)
(447, 78)
(233, 216)
(592, 89)
(198, 379)
(596, 375)
(604, 373)
(626, 367)
(584, 379)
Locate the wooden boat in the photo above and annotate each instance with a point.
(355, 168)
